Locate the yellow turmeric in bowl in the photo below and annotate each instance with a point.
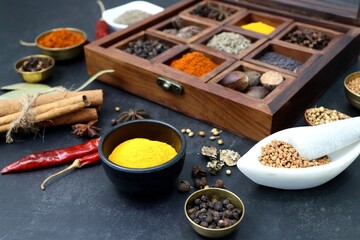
(142, 153)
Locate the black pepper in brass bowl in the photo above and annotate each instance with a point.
(214, 212)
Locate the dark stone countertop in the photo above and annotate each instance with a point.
(84, 204)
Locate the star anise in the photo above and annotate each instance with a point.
(88, 130)
(220, 12)
(131, 114)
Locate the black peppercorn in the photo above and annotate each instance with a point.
(198, 171)
(184, 186)
(200, 182)
(213, 213)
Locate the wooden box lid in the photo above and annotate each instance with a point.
(341, 11)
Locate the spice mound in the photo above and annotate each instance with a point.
(195, 63)
(229, 42)
(213, 213)
(146, 49)
(36, 64)
(321, 115)
(309, 38)
(131, 17)
(61, 38)
(281, 61)
(142, 153)
(354, 85)
(213, 11)
(259, 27)
(281, 154)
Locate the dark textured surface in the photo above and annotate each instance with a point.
(84, 204)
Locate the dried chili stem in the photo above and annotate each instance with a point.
(75, 164)
(78, 163)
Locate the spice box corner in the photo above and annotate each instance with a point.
(204, 98)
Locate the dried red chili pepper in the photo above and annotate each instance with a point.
(52, 157)
(101, 27)
(78, 163)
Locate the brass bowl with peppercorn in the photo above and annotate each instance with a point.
(352, 89)
(35, 68)
(228, 207)
(144, 180)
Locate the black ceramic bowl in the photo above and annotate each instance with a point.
(143, 180)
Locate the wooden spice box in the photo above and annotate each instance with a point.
(204, 98)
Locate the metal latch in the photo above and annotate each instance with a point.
(169, 86)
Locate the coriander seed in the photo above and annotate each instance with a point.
(188, 130)
(190, 134)
(117, 109)
(220, 142)
(201, 133)
(228, 171)
(213, 137)
(183, 130)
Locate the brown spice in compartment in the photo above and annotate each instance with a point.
(179, 29)
(213, 11)
(280, 154)
(354, 85)
(309, 38)
(195, 63)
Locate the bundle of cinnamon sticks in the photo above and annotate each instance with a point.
(53, 109)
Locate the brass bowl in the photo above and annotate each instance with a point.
(322, 111)
(38, 76)
(65, 53)
(354, 98)
(219, 193)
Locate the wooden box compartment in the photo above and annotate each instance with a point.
(306, 58)
(331, 35)
(221, 60)
(123, 44)
(175, 22)
(256, 41)
(279, 23)
(244, 67)
(232, 9)
(202, 97)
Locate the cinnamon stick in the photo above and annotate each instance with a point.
(41, 109)
(7, 107)
(55, 109)
(84, 115)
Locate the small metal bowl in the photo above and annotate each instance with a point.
(38, 76)
(65, 53)
(219, 193)
(354, 98)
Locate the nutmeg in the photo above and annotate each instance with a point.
(258, 92)
(254, 78)
(236, 80)
(271, 80)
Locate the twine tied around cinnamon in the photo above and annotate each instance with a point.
(30, 114)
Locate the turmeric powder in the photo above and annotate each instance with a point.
(259, 27)
(194, 63)
(60, 38)
(142, 153)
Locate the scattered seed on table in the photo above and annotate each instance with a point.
(201, 133)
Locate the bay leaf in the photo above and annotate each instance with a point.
(24, 85)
